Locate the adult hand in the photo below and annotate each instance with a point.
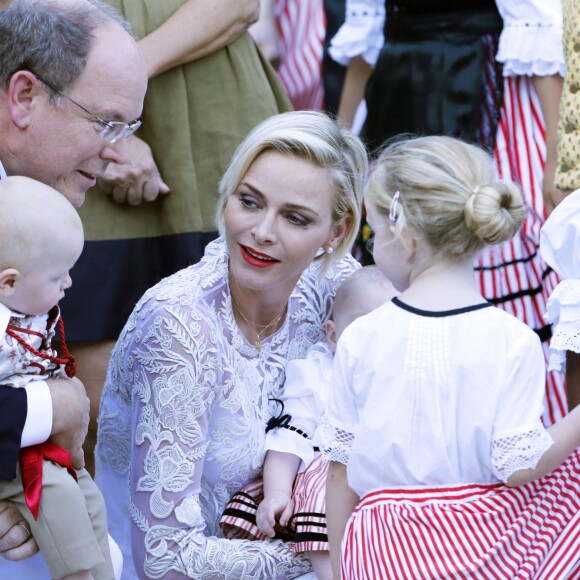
(136, 181)
(16, 541)
(70, 416)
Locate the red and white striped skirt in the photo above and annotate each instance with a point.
(469, 531)
(513, 275)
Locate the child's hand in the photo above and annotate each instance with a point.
(276, 508)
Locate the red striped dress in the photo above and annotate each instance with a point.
(469, 531)
(301, 25)
(513, 275)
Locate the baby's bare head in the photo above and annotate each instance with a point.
(37, 223)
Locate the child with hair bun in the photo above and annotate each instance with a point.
(433, 425)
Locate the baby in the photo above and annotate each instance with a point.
(291, 503)
(42, 238)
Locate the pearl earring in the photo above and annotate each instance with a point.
(330, 250)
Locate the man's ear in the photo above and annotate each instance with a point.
(21, 92)
(8, 279)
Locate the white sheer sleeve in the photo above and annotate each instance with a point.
(362, 32)
(563, 312)
(531, 40)
(519, 438)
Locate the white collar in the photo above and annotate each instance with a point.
(2, 171)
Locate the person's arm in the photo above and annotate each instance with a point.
(573, 379)
(357, 75)
(265, 32)
(280, 470)
(549, 90)
(566, 436)
(197, 29)
(175, 420)
(340, 503)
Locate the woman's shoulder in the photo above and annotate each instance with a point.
(194, 282)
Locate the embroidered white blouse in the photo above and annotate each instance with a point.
(435, 398)
(183, 416)
(530, 43)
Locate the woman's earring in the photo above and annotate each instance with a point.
(329, 250)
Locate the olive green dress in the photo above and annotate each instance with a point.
(194, 117)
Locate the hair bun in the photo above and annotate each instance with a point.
(495, 212)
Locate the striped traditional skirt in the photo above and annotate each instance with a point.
(469, 531)
(306, 530)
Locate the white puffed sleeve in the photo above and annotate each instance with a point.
(531, 40)
(362, 32)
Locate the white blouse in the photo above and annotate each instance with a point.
(435, 398)
(530, 43)
(182, 420)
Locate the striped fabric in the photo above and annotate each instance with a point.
(306, 530)
(309, 519)
(513, 275)
(468, 531)
(239, 518)
(301, 26)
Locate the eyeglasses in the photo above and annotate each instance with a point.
(112, 131)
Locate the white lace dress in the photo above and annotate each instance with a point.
(182, 421)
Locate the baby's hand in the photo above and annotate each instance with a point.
(276, 508)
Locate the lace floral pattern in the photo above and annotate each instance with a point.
(197, 395)
(522, 450)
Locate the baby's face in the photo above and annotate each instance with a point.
(40, 287)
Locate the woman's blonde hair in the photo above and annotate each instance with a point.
(314, 137)
(448, 193)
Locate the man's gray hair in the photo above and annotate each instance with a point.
(51, 37)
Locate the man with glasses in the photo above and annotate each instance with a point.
(72, 84)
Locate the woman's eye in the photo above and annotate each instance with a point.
(248, 202)
(297, 220)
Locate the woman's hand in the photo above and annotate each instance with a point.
(16, 541)
(136, 181)
(274, 510)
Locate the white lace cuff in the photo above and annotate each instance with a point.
(531, 48)
(361, 34)
(335, 442)
(563, 311)
(519, 450)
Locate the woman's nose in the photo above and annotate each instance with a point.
(264, 231)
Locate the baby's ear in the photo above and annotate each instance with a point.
(331, 334)
(8, 279)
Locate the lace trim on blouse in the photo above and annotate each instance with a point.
(519, 450)
(335, 442)
(361, 34)
(563, 311)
